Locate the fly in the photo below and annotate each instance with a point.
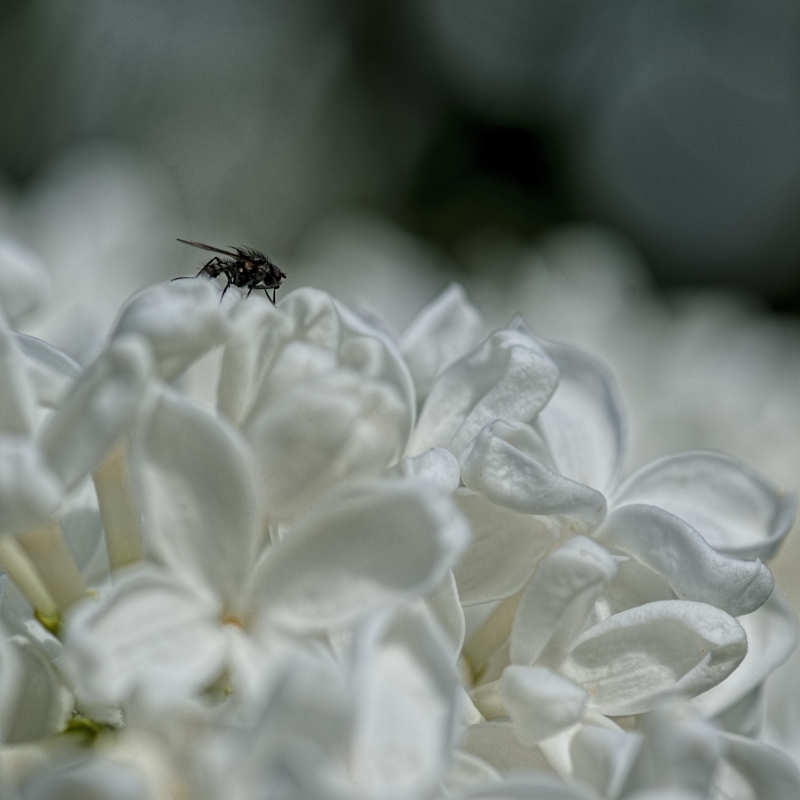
(244, 268)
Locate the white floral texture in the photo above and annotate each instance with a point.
(645, 608)
(377, 568)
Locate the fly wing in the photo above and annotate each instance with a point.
(209, 247)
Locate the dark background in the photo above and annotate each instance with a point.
(678, 123)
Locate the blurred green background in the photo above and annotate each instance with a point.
(676, 122)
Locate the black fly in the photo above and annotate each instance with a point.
(244, 268)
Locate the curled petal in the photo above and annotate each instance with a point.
(504, 463)
(735, 509)
(771, 637)
(540, 702)
(695, 571)
(195, 476)
(584, 422)
(507, 377)
(29, 490)
(446, 329)
(505, 549)
(632, 659)
(374, 545)
(150, 635)
(51, 372)
(181, 320)
(101, 406)
(556, 604)
(437, 467)
(24, 280)
(321, 434)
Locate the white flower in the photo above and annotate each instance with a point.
(321, 396)
(380, 722)
(652, 614)
(170, 633)
(281, 584)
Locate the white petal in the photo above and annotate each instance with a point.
(508, 376)
(301, 734)
(16, 392)
(446, 329)
(468, 771)
(555, 606)
(770, 773)
(735, 509)
(101, 406)
(746, 716)
(24, 280)
(195, 475)
(533, 787)
(29, 491)
(694, 570)
(602, 757)
(51, 372)
(669, 794)
(321, 434)
(376, 544)
(504, 551)
(358, 351)
(584, 422)
(82, 527)
(151, 636)
(771, 639)
(98, 779)
(43, 703)
(320, 335)
(181, 320)
(633, 585)
(437, 467)
(408, 710)
(257, 330)
(632, 659)
(679, 751)
(10, 681)
(540, 702)
(444, 606)
(504, 464)
(496, 743)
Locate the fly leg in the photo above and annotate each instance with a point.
(266, 292)
(227, 286)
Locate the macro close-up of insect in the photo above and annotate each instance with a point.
(244, 268)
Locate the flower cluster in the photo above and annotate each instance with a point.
(372, 567)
